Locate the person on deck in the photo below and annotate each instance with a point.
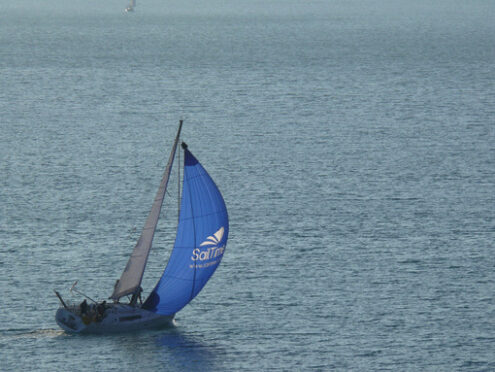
(100, 310)
(136, 296)
(84, 307)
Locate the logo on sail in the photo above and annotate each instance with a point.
(214, 239)
(213, 249)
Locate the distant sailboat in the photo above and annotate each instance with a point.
(131, 6)
(199, 246)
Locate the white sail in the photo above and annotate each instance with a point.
(132, 276)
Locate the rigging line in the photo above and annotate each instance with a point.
(203, 215)
(169, 195)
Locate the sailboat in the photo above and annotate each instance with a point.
(131, 6)
(200, 242)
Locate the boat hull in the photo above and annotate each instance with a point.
(117, 318)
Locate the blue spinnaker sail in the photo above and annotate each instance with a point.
(199, 245)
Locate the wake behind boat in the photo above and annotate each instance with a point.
(199, 246)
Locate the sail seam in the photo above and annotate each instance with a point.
(203, 215)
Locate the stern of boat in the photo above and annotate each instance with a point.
(69, 321)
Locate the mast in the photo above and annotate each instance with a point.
(178, 186)
(130, 280)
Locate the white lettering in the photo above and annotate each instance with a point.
(207, 254)
(205, 265)
(204, 255)
(195, 255)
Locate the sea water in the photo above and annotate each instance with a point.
(354, 144)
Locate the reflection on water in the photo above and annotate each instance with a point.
(174, 348)
(189, 351)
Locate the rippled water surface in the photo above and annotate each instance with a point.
(353, 142)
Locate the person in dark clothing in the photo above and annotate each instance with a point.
(84, 307)
(136, 296)
(100, 310)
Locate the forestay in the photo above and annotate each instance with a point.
(200, 242)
